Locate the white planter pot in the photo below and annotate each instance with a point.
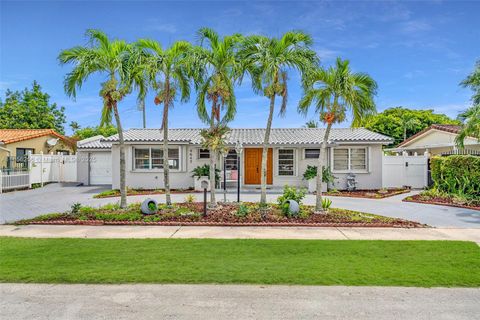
(198, 183)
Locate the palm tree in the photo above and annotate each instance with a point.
(473, 82)
(334, 92)
(215, 68)
(267, 61)
(311, 124)
(408, 123)
(166, 73)
(471, 125)
(104, 56)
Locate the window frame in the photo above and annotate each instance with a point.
(199, 153)
(349, 160)
(150, 159)
(294, 164)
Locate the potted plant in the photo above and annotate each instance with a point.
(202, 173)
(311, 174)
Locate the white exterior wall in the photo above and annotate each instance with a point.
(182, 178)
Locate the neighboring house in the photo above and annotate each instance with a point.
(357, 151)
(15, 144)
(438, 139)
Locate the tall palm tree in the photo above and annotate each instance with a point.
(408, 122)
(334, 92)
(165, 71)
(472, 81)
(471, 125)
(311, 124)
(268, 60)
(103, 56)
(215, 68)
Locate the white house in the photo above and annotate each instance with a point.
(357, 151)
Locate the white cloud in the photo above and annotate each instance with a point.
(155, 25)
(414, 26)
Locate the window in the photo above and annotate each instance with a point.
(203, 154)
(286, 162)
(312, 153)
(22, 156)
(350, 159)
(152, 158)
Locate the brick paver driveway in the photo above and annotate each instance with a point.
(59, 197)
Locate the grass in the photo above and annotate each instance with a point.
(305, 262)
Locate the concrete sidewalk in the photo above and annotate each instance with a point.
(144, 301)
(140, 232)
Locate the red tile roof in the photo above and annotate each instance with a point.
(452, 128)
(15, 135)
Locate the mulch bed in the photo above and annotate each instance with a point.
(418, 198)
(146, 192)
(225, 215)
(368, 194)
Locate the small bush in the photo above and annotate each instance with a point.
(242, 211)
(75, 208)
(204, 171)
(190, 198)
(290, 193)
(326, 203)
(457, 175)
(311, 173)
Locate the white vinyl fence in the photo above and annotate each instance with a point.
(403, 170)
(41, 169)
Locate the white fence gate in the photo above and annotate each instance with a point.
(41, 169)
(404, 170)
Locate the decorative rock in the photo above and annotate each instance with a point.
(145, 207)
(293, 207)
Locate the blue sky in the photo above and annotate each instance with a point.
(418, 52)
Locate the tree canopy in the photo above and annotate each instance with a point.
(87, 132)
(31, 109)
(391, 122)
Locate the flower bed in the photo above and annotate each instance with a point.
(444, 200)
(138, 192)
(229, 214)
(369, 194)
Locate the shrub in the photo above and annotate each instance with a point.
(190, 198)
(290, 193)
(204, 171)
(311, 173)
(242, 210)
(75, 208)
(326, 203)
(457, 175)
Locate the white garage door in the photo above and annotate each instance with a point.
(100, 168)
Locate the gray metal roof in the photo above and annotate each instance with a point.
(96, 142)
(278, 136)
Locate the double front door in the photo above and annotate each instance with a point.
(253, 166)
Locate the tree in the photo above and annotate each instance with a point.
(401, 123)
(74, 126)
(166, 73)
(215, 70)
(267, 61)
(88, 132)
(31, 109)
(107, 57)
(311, 124)
(335, 91)
(470, 118)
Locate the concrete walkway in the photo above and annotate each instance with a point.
(75, 302)
(139, 232)
(59, 197)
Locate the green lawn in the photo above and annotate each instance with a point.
(308, 262)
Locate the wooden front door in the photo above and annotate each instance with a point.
(253, 166)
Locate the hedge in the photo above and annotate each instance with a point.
(457, 174)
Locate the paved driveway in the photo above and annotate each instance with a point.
(59, 197)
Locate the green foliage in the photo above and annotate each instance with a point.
(190, 198)
(242, 211)
(457, 175)
(152, 206)
(290, 193)
(326, 203)
(392, 121)
(472, 81)
(204, 171)
(31, 109)
(75, 208)
(87, 132)
(311, 173)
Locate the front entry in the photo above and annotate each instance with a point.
(253, 166)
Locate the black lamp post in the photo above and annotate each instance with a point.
(238, 149)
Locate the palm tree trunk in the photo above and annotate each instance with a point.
(266, 142)
(144, 116)
(321, 164)
(166, 165)
(213, 158)
(123, 189)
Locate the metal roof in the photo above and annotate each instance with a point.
(278, 136)
(95, 142)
